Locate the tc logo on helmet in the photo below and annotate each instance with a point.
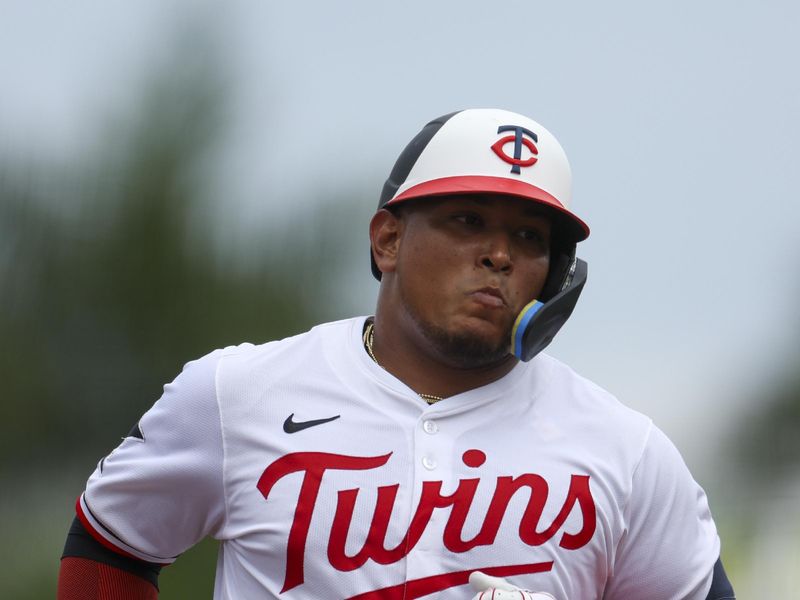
(519, 140)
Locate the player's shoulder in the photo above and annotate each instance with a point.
(299, 351)
(586, 402)
(568, 379)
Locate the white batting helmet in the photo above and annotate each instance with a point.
(487, 151)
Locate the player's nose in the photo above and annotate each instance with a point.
(496, 252)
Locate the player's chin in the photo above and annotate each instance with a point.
(494, 326)
(474, 343)
(490, 331)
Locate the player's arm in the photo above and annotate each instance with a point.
(670, 547)
(90, 571)
(135, 512)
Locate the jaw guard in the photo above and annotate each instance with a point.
(538, 322)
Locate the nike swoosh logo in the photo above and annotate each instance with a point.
(292, 426)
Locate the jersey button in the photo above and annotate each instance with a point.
(429, 463)
(430, 427)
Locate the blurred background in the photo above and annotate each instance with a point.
(176, 177)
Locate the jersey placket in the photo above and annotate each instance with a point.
(432, 469)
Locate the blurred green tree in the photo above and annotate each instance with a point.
(111, 282)
(767, 443)
(109, 285)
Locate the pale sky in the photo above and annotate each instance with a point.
(680, 120)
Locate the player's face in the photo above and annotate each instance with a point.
(465, 268)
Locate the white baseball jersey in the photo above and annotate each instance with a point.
(324, 476)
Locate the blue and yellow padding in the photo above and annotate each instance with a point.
(521, 325)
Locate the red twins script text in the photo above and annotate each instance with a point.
(314, 465)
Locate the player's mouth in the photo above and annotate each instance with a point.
(490, 297)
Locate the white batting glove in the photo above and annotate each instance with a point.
(497, 588)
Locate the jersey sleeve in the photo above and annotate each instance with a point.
(162, 490)
(670, 542)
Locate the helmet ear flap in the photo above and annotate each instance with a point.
(562, 268)
(538, 322)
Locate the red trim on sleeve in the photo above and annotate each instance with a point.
(102, 540)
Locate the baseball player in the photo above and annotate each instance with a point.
(429, 451)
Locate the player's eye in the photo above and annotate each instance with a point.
(467, 218)
(532, 235)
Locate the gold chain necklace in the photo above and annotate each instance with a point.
(369, 340)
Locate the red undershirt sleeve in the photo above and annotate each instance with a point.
(87, 579)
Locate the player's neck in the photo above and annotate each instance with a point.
(413, 361)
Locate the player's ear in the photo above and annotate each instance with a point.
(385, 230)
